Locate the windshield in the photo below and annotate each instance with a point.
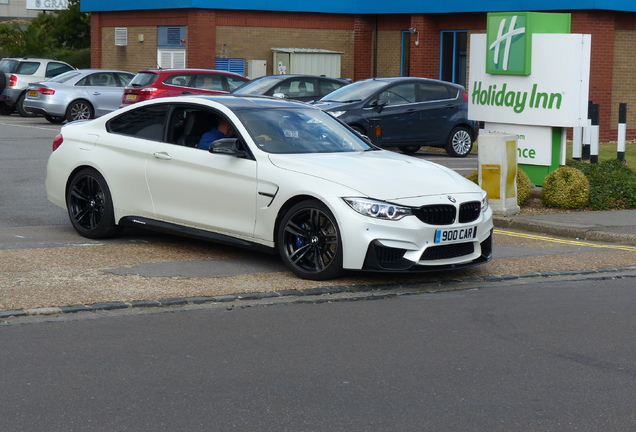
(358, 91)
(258, 86)
(64, 77)
(300, 131)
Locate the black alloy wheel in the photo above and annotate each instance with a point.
(309, 241)
(21, 109)
(90, 206)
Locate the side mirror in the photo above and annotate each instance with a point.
(380, 104)
(228, 146)
(280, 95)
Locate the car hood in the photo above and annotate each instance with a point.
(378, 174)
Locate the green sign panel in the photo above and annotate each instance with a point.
(509, 39)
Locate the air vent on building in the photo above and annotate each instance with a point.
(121, 36)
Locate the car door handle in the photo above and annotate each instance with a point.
(162, 155)
(451, 106)
(96, 93)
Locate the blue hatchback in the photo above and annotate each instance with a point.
(406, 112)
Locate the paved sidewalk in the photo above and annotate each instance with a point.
(617, 226)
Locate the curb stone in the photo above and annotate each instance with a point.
(107, 306)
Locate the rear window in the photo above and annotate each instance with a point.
(8, 66)
(143, 79)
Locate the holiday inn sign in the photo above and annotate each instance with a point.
(529, 77)
(528, 69)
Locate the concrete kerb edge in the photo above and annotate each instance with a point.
(109, 306)
(579, 234)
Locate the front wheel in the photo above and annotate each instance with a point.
(90, 206)
(79, 110)
(460, 142)
(309, 241)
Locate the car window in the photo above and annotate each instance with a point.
(433, 92)
(146, 122)
(27, 68)
(327, 87)
(235, 82)
(8, 66)
(209, 82)
(66, 76)
(143, 79)
(299, 131)
(124, 78)
(400, 94)
(182, 80)
(102, 79)
(54, 69)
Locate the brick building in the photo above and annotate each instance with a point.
(427, 39)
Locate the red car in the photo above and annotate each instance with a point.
(156, 83)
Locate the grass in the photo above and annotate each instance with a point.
(608, 151)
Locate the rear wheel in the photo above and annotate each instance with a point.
(54, 119)
(412, 149)
(309, 241)
(460, 142)
(22, 110)
(79, 110)
(90, 206)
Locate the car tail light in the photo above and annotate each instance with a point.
(151, 91)
(57, 141)
(46, 91)
(13, 81)
(465, 96)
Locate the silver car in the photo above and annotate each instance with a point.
(78, 94)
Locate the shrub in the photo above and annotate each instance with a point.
(524, 185)
(565, 188)
(612, 184)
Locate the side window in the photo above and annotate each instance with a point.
(400, 94)
(103, 79)
(434, 92)
(234, 82)
(54, 69)
(146, 123)
(179, 80)
(28, 68)
(327, 87)
(123, 78)
(209, 82)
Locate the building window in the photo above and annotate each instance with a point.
(171, 37)
(453, 57)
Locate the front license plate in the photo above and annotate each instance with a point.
(33, 92)
(455, 235)
(131, 97)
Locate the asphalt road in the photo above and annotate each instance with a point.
(525, 355)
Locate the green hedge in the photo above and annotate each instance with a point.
(612, 184)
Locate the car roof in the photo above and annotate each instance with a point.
(189, 70)
(235, 102)
(405, 79)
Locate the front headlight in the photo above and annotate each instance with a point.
(378, 209)
(336, 113)
(484, 203)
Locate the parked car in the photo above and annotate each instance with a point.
(155, 83)
(78, 94)
(305, 88)
(412, 112)
(292, 180)
(17, 73)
